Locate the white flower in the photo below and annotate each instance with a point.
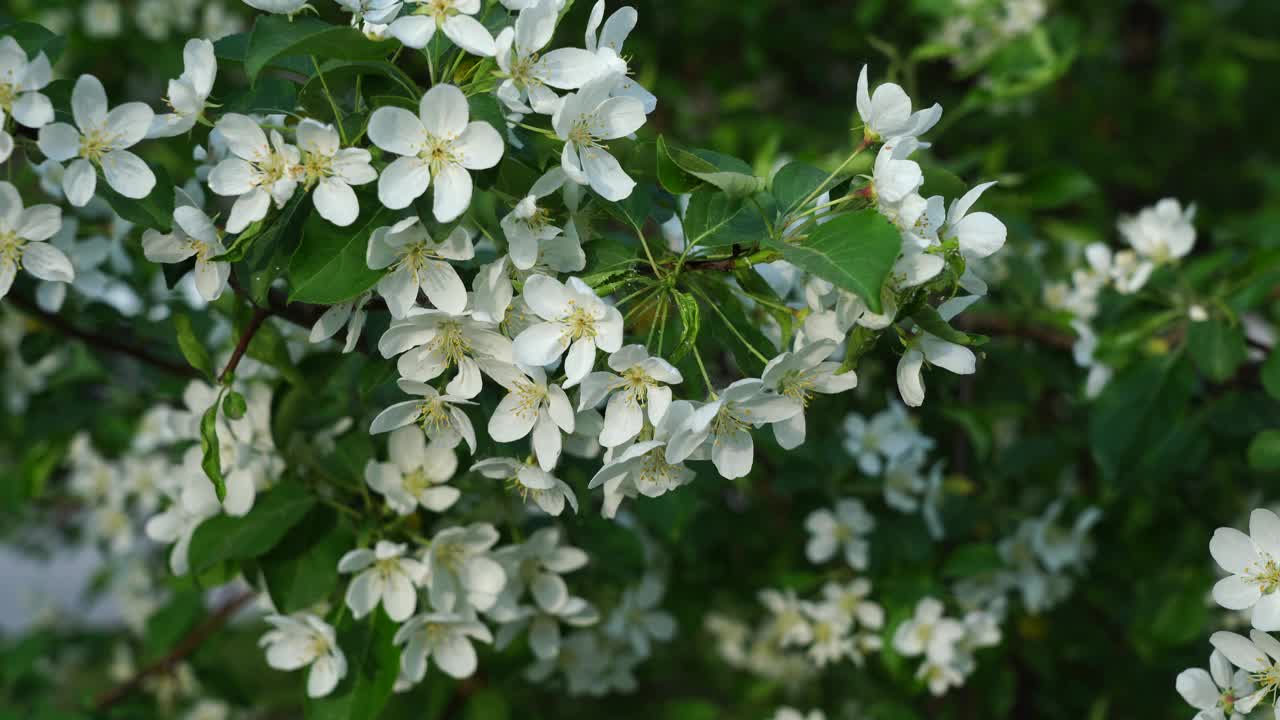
(453, 18)
(535, 565)
(1258, 655)
(544, 625)
(1254, 563)
(193, 235)
(726, 422)
(527, 225)
(789, 622)
(1162, 233)
(102, 140)
(430, 342)
(23, 233)
(789, 713)
(575, 319)
(894, 177)
(257, 174)
(438, 143)
(351, 314)
(280, 7)
(607, 45)
(642, 468)
(370, 12)
(832, 633)
(528, 72)
(887, 113)
(460, 573)
(332, 170)
(443, 637)
(419, 262)
(20, 83)
(533, 405)
(798, 375)
(531, 482)
(189, 94)
(585, 119)
(444, 422)
(637, 620)
(844, 528)
(886, 436)
(943, 353)
(304, 639)
(193, 502)
(1215, 692)
(851, 598)
(416, 474)
(102, 18)
(928, 633)
(637, 387)
(978, 234)
(388, 578)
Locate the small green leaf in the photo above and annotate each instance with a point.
(931, 322)
(211, 451)
(275, 36)
(484, 106)
(972, 559)
(730, 174)
(634, 210)
(1217, 347)
(690, 324)
(1264, 450)
(192, 349)
(268, 346)
(1271, 374)
(234, 538)
(33, 38)
(154, 211)
(673, 179)
(855, 251)
(715, 219)
(234, 406)
(330, 263)
(797, 181)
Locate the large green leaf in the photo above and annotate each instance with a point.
(154, 211)
(275, 36)
(714, 218)
(303, 569)
(330, 263)
(373, 662)
(855, 251)
(1271, 374)
(795, 182)
(192, 349)
(1264, 451)
(1217, 347)
(1141, 417)
(231, 538)
(33, 38)
(730, 174)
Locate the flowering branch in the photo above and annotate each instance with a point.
(259, 316)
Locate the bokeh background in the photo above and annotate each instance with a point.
(1083, 110)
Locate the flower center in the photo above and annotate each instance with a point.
(728, 420)
(316, 167)
(417, 481)
(8, 93)
(580, 134)
(438, 9)
(438, 153)
(522, 70)
(450, 342)
(1267, 577)
(11, 248)
(580, 323)
(450, 556)
(1267, 680)
(654, 469)
(434, 416)
(94, 144)
(529, 396)
(637, 385)
(797, 385)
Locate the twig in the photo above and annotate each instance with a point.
(189, 645)
(998, 325)
(101, 341)
(259, 315)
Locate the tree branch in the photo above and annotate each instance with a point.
(103, 341)
(189, 645)
(989, 324)
(259, 315)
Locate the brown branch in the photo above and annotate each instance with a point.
(189, 645)
(102, 341)
(989, 324)
(259, 315)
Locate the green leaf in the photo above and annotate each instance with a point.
(234, 406)
(211, 451)
(855, 251)
(673, 179)
(1130, 427)
(972, 559)
(730, 174)
(1264, 451)
(634, 210)
(1217, 347)
(329, 265)
(303, 569)
(931, 322)
(716, 219)
(797, 181)
(192, 349)
(154, 211)
(339, 75)
(1271, 374)
(373, 662)
(1060, 186)
(268, 346)
(484, 106)
(275, 36)
(35, 38)
(268, 254)
(269, 95)
(230, 538)
(690, 324)
(941, 181)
